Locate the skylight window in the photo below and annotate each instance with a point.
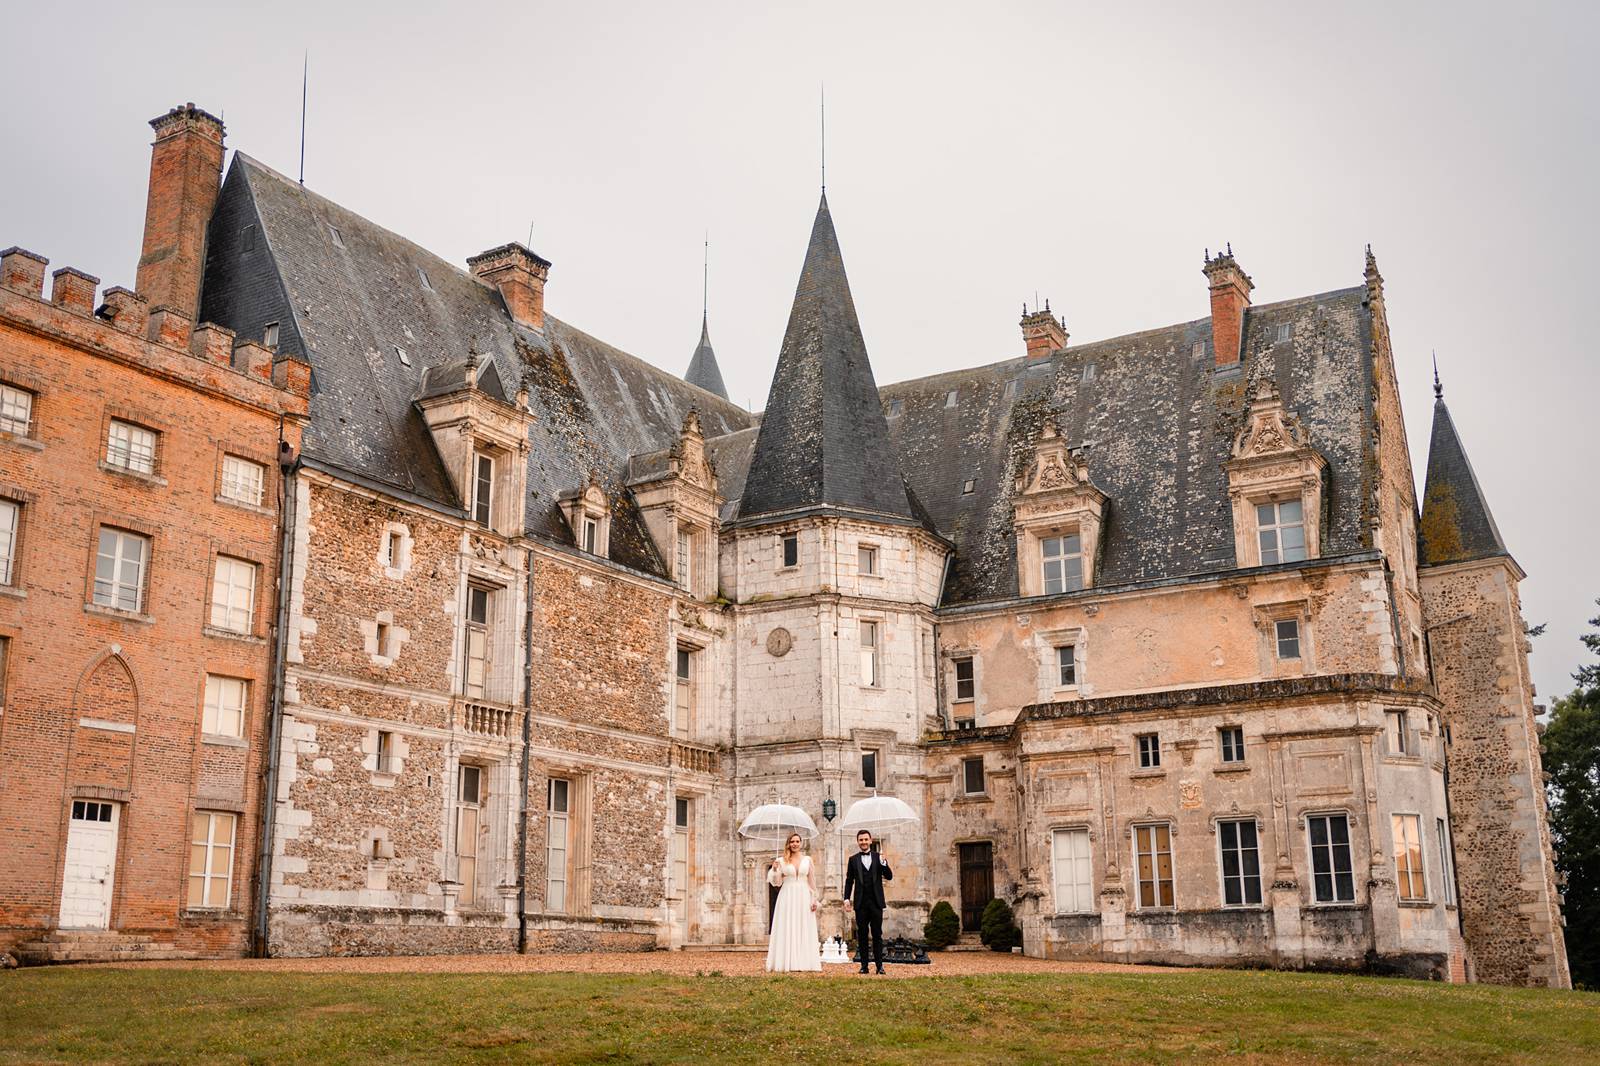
(951, 397)
(895, 407)
(338, 238)
(1285, 331)
(1011, 389)
(422, 276)
(968, 486)
(400, 353)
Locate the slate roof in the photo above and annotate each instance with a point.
(823, 442)
(703, 370)
(1456, 523)
(345, 301)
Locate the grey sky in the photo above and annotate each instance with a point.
(976, 153)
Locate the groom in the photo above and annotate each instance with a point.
(865, 874)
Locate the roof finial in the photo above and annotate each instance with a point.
(822, 91)
(1230, 248)
(1438, 389)
(305, 75)
(705, 279)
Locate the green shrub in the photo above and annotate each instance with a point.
(997, 928)
(943, 927)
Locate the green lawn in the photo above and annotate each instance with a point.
(78, 1015)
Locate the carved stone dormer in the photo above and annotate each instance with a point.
(676, 491)
(1275, 484)
(1057, 514)
(588, 512)
(482, 436)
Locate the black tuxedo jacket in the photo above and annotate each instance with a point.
(867, 884)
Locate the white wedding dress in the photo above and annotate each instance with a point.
(793, 944)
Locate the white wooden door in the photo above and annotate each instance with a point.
(91, 862)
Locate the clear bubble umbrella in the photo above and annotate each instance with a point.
(878, 814)
(773, 822)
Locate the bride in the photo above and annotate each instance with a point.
(793, 945)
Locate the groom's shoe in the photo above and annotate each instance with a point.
(880, 971)
(863, 968)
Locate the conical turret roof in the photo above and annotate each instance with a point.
(703, 370)
(824, 442)
(1456, 523)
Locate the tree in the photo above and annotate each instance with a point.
(1572, 760)
(997, 928)
(943, 927)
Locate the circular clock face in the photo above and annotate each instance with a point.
(779, 641)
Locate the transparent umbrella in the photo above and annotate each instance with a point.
(775, 821)
(879, 814)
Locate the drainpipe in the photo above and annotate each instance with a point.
(527, 742)
(288, 463)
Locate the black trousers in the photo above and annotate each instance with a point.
(869, 927)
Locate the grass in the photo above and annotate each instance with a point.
(88, 1015)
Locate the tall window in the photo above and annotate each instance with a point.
(966, 680)
(233, 594)
(1241, 864)
(1152, 853)
(1286, 635)
(391, 548)
(477, 642)
(482, 487)
(686, 557)
(1408, 873)
(866, 560)
(1063, 563)
(119, 570)
(1447, 868)
(1281, 529)
(211, 835)
(1231, 739)
(1331, 879)
(1070, 857)
(5, 654)
(556, 845)
(223, 715)
(384, 764)
(16, 410)
(1149, 747)
(972, 782)
(242, 480)
(1398, 736)
(1066, 666)
(789, 550)
(131, 447)
(683, 708)
(869, 769)
(680, 845)
(591, 536)
(469, 817)
(869, 653)
(10, 525)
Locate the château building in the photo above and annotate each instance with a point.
(1152, 631)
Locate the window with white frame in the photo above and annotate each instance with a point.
(869, 769)
(683, 706)
(1070, 859)
(242, 480)
(1447, 867)
(223, 714)
(1411, 882)
(1231, 740)
(476, 673)
(1286, 638)
(1062, 559)
(1241, 863)
(1281, 531)
(681, 819)
(972, 782)
(1331, 877)
(1149, 748)
(391, 548)
(557, 843)
(686, 546)
(131, 447)
(233, 594)
(1152, 855)
(789, 550)
(469, 823)
(866, 560)
(482, 488)
(10, 528)
(16, 410)
(869, 654)
(1066, 666)
(119, 569)
(591, 535)
(966, 680)
(211, 839)
(1396, 734)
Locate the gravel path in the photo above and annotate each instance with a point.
(679, 963)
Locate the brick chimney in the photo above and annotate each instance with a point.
(519, 275)
(22, 271)
(1042, 332)
(1230, 295)
(185, 168)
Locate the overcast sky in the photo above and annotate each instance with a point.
(977, 153)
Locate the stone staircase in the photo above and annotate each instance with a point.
(97, 946)
(967, 942)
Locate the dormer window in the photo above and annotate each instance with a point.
(1275, 482)
(482, 487)
(1281, 531)
(588, 516)
(1062, 559)
(269, 335)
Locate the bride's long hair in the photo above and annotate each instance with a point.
(796, 851)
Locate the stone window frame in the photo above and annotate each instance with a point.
(1225, 764)
(1078, 826)
(1410, 753)
(589, 504)
(983, 775)
(1352, 825)
(1426, 899)
(1053, 497)
(395, 568)
(578, 901)
(880, 743)
(1049, 665)
(1262, 882)
(1142, 751)
(957, 656)
(1272, 460)
(1171, 826)
(384, 775)
(874, 551)
(383, 653)
(880, 632)
(675, 890)
(1267, 616)
(782, 539)
(682, 645)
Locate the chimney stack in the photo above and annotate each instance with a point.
(185, 169)
(519, 275)
(1042, 332)
(1230, 295)
(22, 271)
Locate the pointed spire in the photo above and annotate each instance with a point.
(1457, 525)
(1438, 389)
(823, 441)
(703, 370)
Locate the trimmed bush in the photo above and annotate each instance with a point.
(943, 927)
(998, 928)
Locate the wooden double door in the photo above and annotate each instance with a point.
(977, 882)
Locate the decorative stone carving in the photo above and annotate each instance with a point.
(779, 641)
(1054, 497)
(1273, 461)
